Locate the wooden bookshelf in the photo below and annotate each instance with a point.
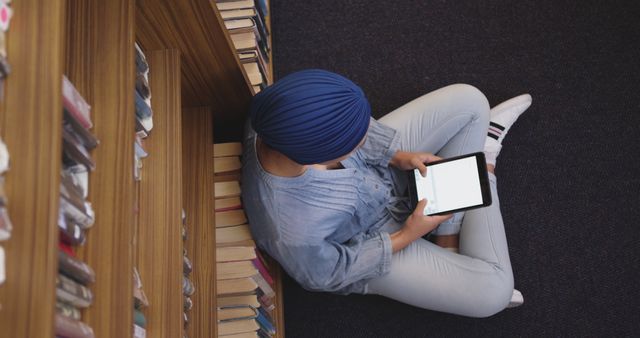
(30, 128)
(159, 245)
(200, 93)
(99, 45)
(198, 186)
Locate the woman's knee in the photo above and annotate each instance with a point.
(493, 298)
(474, 99)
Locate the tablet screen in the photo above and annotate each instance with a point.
(450, 186)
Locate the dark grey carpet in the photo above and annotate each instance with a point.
(568, 173)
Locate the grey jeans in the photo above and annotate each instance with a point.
(477, 282)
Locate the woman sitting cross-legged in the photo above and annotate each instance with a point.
(325, 191)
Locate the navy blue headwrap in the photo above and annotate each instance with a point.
(311, 116)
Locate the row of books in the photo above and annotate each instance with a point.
(246, 21)
(75, 215)
(245, 287)
(5, 69)
(144, 124)
(5, 19)
(5, 221)
(144, 114)
(188, 288)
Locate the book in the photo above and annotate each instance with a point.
(237, 326)
(3, 271)
(83, 218)
(5, 224)
(139, 297)
(230, 218)
(228, 301)
(233, 234)
(73, 268)
(187, 267)
(144, 114)
(226, 204)
(258, 263)
(68, 249)
(188, 304)
(70, 232)
(234, 270)
(187, 286)
(263, 285)
(71, 328)
(73, 149)
(73, 293)
(248, 56)
(244, 41)
(75, 103)
(252, 334)
(139, 319)
(237, 4)
(236, 313)
(235, 253)
(236, 286)
(238, 13)
(253, 73)
(227, 149)
(142, 86)
(226, 189)
(246, 242)
(142, 67)
(265, 324)
(139, 332)
(88, 139)
(68, 310)
(226, 164)
(245, 25)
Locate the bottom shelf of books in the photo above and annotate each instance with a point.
(248, 291)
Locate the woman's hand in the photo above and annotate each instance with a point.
(416, 226)
(407, 160)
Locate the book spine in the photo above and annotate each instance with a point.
(68, 310)
(75, 104)
(139, 319)
(264, 286)
(75, 269)
(73, 293)
(70, 328)
(262, 269)
(265, 324)
(139, 332)
(84, 220)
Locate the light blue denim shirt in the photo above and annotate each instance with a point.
(324, 227)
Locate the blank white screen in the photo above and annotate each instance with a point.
(450, 185)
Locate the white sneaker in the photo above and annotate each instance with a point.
(516, 299)
(503, 116)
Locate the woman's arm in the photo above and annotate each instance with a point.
(409, 160)
(416, 226)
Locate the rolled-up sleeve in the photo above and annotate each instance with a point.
(381, 144)
(336, 267)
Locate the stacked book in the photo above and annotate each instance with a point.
(5, 221)
(5, 69)
(144, 114)
(5, 19)
(140, 302)
(245, 287)
(75, 215)
(144, 124)
(187, 286)
(246, 21)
